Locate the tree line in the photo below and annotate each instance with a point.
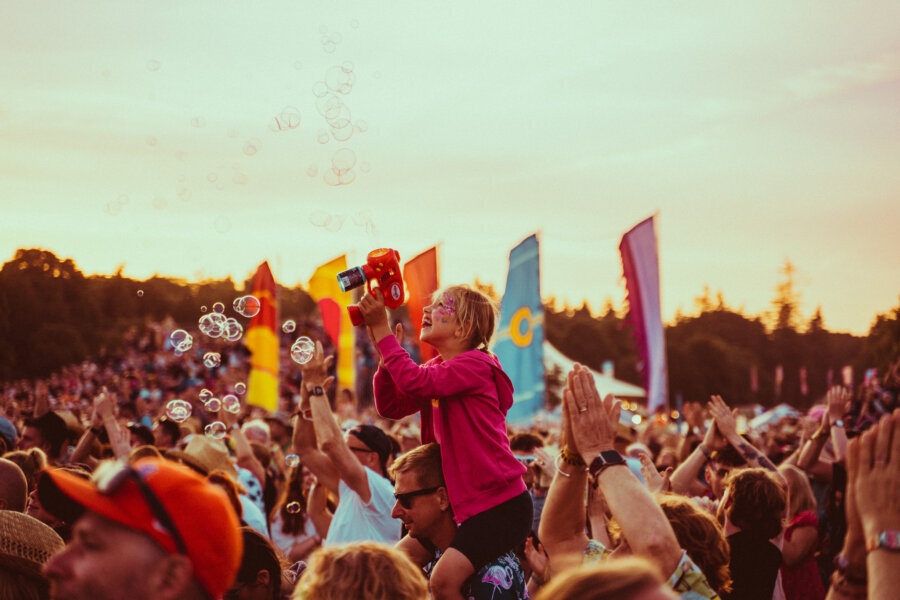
(52, 315)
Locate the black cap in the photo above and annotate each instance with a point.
(376, 440)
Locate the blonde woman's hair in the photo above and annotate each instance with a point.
(475, 312)
(619, 579)
(702, 537)
(800, 494)
(362, 571)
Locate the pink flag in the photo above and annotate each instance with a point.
(640, 265)
(804, 388)
(779, 378)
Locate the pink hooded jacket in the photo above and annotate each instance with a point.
(463, 402)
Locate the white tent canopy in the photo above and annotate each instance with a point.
(606, 384)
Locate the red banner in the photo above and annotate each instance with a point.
(421, 277)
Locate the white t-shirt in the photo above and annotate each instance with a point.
(285, 541)
(354, 521)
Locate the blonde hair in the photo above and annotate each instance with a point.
(702, 537)
(363, 571)
(475, 312)
(424, 461)
(800, 494)
(619, 579)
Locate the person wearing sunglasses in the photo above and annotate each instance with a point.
(424, 507)
(151, 529)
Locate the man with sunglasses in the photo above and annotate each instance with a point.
(351, 465)
(154, 529)
(424, 507)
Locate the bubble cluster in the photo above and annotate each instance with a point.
(212, 324)
(212, 360)
(291, 460)
(215, 430)
(205, 395)
(233, 330)
(246, 306)
(303, 350)
(289, 326)
(287, 119)
(293, 507)
(334, 222)
(240, 388)
(178, 410)
(181, 340)
(213, 405)
(231, 404)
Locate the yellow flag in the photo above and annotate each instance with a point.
(262, 341)
(333, 303)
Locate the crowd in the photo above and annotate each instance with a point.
(430, 493)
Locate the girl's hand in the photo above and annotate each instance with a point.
(373, 310)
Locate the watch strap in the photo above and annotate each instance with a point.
(889, 540)
(605, 459)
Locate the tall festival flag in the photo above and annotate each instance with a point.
(520, 341)
(262, 341)
(421, 277)
(640, 265)
(333, 303)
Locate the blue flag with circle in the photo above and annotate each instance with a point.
(520, 341)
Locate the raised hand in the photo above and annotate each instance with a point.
(655, 482)
(373, 310)
(723, 417)
(593, 420)
(315, 372)
(838, 399)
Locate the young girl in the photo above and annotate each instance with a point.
(463, 396)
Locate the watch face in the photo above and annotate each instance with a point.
(607, 458)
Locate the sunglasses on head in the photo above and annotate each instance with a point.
(405, 499)
(527, 460)
(111, 479)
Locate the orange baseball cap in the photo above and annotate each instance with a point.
(173, 505)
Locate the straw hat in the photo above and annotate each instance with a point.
(26, 543)
(205, 454)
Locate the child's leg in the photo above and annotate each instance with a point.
(449, 575)
(413, 548)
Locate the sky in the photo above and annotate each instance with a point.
(195, 139)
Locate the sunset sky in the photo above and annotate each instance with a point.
(146, 134)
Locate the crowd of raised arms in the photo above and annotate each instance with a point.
(429, 493)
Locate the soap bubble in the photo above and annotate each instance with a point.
(343, 133)
(218, 307)
(319, 218)
(339, 80)
(212, 360)
(343, 160)
(247, 306)
(214, 405)
(329, 106)
(336, 223)
(140, 293)
(292, 460)
(211, 177)
(231, 404)
(347, 67)
(203, 308)
(319, 89)
(329, 46)
(251, 147)
(159, 203)
(240, 178)
(289, 326)
(332, 178)
(181, 340)
(287, 119)
(215, 430)
(293, 507)
(362, 126)
(303, 350)
(312, 170)
(322, 137)
(205, 395)
(240, 388)
(233, 330)
(212, 324)
(178, 410)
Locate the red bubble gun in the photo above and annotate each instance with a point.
(383, 266)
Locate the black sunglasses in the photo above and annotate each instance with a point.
(110, 480)
(405, 499)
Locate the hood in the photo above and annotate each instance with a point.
(504, 383)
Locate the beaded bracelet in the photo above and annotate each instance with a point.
(573, 459)
(560, 459)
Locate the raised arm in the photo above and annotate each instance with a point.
(838, 399)
(688, 471)
(562, 520)
(304, 439)
(643, 523)
(725, 423)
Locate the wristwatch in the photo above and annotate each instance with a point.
(607, 458)
(317, 391)
(838, 423)
(888, 539)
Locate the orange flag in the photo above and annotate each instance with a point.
(324, 288)
(421, 277)
(262, 341)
